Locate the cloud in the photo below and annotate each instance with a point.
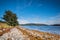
(22, 21)
(38, 19)
(54, 20)
(40, 5)
(30, 3)
(24, 4)
(32, 19)
(27, 3)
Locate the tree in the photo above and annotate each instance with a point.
(10, 18)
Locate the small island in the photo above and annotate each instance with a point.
(33, 24)
(36, 24)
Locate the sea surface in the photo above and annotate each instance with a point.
(50, 29)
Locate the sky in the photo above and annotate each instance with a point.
(33, 11)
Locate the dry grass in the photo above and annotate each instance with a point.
(4, 28)
(4, 25)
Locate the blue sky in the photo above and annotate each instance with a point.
(33, 11)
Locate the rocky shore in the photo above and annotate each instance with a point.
(18, 33)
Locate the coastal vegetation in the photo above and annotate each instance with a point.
(10, 18)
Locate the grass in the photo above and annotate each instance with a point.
(4, 25)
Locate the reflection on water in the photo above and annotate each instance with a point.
(50, 29)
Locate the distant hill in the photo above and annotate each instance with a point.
(2, 21)
(56, 25)
(33, 24)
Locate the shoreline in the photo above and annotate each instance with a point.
(43, 29)
(31, 34)
(14, 33)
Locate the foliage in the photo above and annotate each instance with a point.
(10, 18)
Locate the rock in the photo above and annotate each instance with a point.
(9, 39)
(24, 34)
(1, 32)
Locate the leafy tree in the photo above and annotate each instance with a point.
(10, 18)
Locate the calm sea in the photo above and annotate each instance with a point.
(50, 29)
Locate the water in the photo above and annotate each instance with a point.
(50, 29)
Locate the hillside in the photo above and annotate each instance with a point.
(56, 25)
(33, 24)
